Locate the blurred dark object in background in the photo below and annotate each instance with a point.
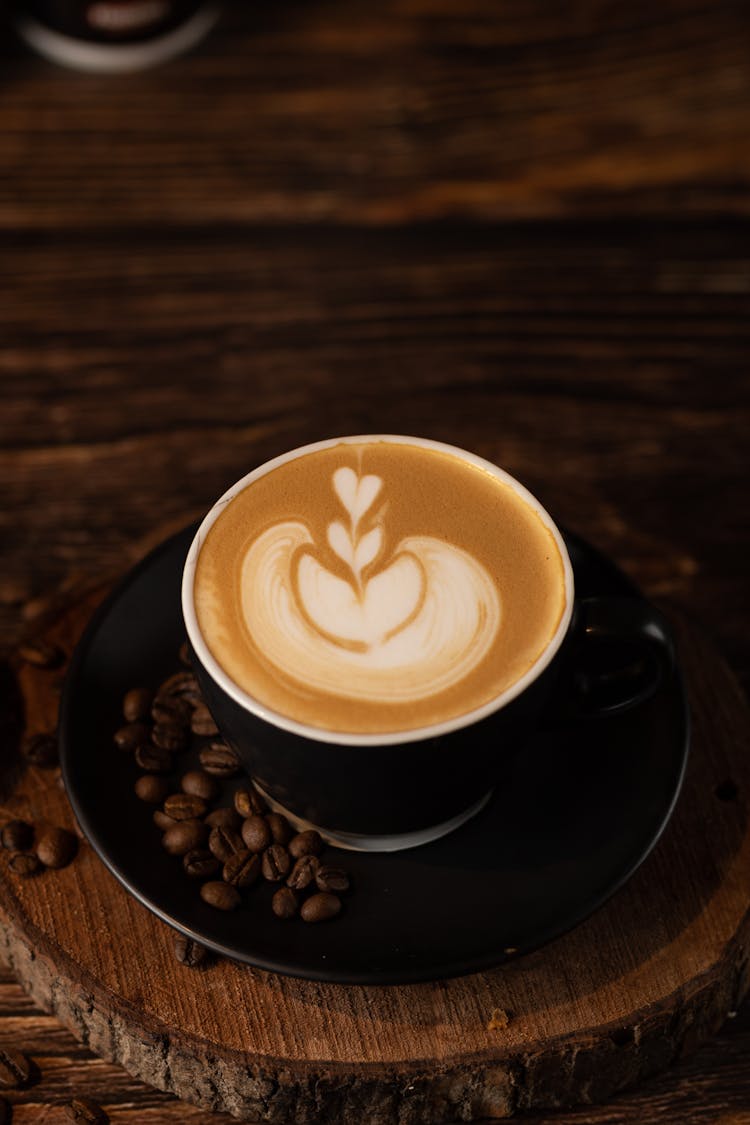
(113, 35)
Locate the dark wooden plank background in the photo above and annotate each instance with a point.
(520, 227)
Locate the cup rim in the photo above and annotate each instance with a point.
(384, 738)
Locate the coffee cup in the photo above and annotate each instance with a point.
(113, 36)
(377, 623)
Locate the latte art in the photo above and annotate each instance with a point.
(410, 618)
(377, 585)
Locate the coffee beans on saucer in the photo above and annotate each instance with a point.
(221, 895)
(320, 907)
(200, 784)
(184, 836)
(152, 788)
(306, 843)
(130, 736)
(332, 879)
(256, 833)
(276, 863)
(224, 836)
(303, 873)
(136, 706)
(285, 903)
(199, 863)
(220, 760)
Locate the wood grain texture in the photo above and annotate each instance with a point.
(410, 110)
(642, 982)
(605, 366)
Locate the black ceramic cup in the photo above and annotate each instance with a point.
(387, 792)
(113, 35)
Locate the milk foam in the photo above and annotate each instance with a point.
(374, 585)
(410, 619)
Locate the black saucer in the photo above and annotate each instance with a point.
(581, 808)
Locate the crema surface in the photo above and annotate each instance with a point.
(377, 587)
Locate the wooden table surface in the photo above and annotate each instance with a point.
(522, 228)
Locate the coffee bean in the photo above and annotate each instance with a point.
(169, 736)
(224, 842)
(154, 759)
(189, 952)
(185, 806)
(200, 864)
(306, 843)
(320, 907)
(15, 1069)
(183, 684)
(5, 1112)
(200, 784)
(201, 721)
(256, 833)
(17, 835)
(249, 802)
(85, 1111)
(131, 736)
(171, 710)
(136, 704)
(241, 869)
(162, 821)
(184, 837)
(24, 864)
(281, 830)
(284, 903)
(41, 751)
(224, 818)
(303, 873)
(184, 654)
(42, 654)
(276, 863)
(220, 760)
(332, 879)
(152, 789)
(56, 847)
(220, 895)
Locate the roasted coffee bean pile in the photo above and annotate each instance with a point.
(227, 848)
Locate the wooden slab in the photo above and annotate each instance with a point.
(647, 979)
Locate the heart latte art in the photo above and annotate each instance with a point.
(377, 587)
(407, 620)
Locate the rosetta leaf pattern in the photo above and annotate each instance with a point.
(340, 542)
(357, 494)
(367, 549)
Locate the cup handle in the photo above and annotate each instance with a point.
(622, 652)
